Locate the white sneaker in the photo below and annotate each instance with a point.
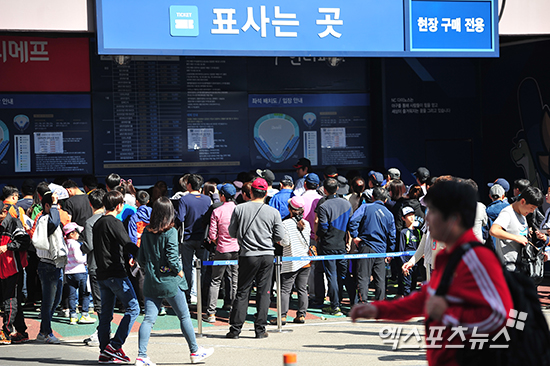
(41, 337)
(93, 340)
(201, 354)
(144, 361)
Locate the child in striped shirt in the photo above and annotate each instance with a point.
(76, 274)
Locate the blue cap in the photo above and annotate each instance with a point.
(377, 176)
(503, 182)
(228, 189)
(312, 178)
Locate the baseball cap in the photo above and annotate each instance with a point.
(287, 179)
(228, 189)
(302, 163)
(422, 173)
(260, 184)
(377, 176)
(297, 202)
(407, 210)
(266, 174)
(503, 182)
(497, 190)
(70, 227)
(312, 178)
(330, 171)
(394, 173)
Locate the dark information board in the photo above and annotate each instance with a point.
(328, 129)
(157, 113)
(45, 134)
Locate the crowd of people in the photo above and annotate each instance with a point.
(137, 247)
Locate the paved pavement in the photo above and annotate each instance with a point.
(322, 340)
(334, 340)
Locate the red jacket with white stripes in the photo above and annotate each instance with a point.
(477, 297)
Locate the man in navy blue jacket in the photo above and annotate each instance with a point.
(372, 228)
(333, 214)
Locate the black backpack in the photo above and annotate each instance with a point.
(527, 346)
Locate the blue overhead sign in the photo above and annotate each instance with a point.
(448, 26)
(362, 28)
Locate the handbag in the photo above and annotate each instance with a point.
(531, 262)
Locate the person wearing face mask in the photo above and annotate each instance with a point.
(296, 273)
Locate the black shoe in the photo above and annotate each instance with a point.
(227, 307)
(262, 335)
(232, 335)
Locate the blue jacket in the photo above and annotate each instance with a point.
(373, 223)
(138, 221)
(280, 201)
(334, 214)
(493, 210)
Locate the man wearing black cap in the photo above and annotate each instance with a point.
(303, 166)
(422, 175)
(269, 178)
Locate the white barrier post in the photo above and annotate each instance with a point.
(278, 265)
(198, 265)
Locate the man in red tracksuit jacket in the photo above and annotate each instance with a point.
(478, 295)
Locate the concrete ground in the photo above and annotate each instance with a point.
(323, 340)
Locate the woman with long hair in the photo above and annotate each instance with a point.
(159, 256)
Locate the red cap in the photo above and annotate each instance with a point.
(260, 184)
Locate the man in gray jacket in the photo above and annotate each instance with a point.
(257, 227)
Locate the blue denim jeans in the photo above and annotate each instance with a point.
(78, 281)
(335, 271)
(52, 288)
(187, 250)
(111, 289)
(152, 306)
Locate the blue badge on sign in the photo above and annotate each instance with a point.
(184, 21)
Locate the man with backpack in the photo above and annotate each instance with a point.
(476, 298)
(511, 228)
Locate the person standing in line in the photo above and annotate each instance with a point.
(14, 242)
(296, 273)
(78, 205)
(227, 248)
(50, 267)
(372, 228)
(76, 274)
(317, 275)
(191, 209)
(303, 168)
(136, 224)
(96, 201)
(164, 279)
(333, 218)
(257, 227)
(110, 239)
(280, 199)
